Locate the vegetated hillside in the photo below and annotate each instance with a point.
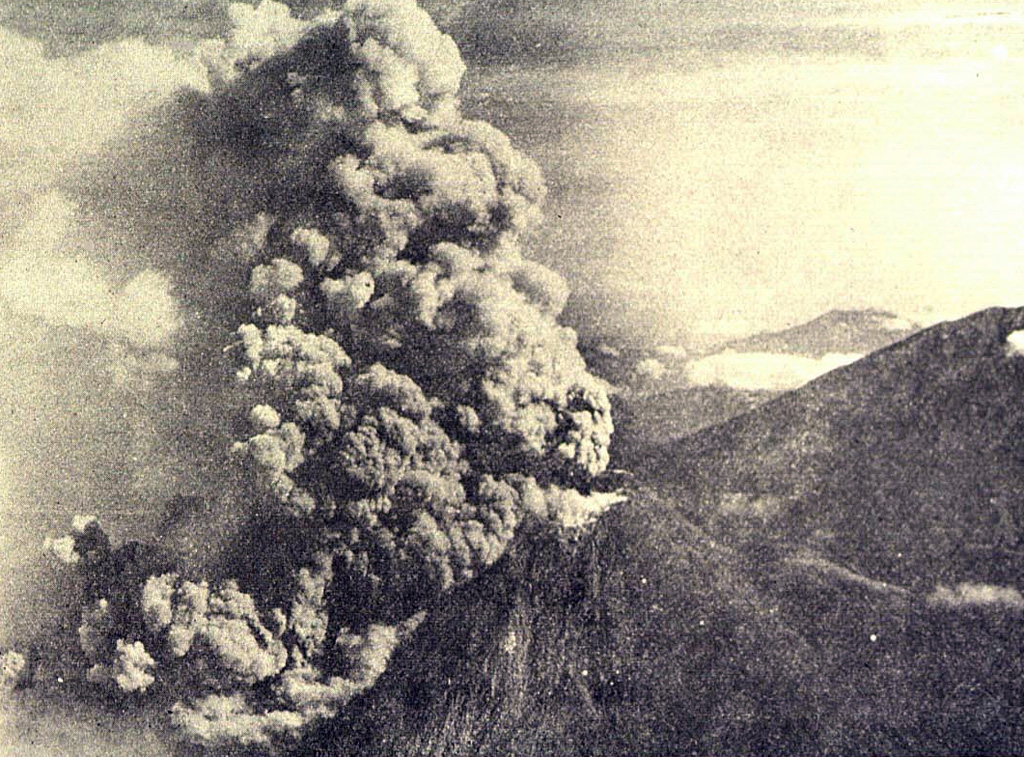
(644, 420)
(845, 331)
(646, 637)
(907, 466)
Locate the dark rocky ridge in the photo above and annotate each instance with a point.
(908, 464)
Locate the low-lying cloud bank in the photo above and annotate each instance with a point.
(1015, 344)
(755, 371)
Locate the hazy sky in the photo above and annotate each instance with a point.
(749, 165)
(714, 166)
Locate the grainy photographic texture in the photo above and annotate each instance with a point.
(511, 378)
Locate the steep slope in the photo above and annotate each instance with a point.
(674, 402)
(642, 637)
(645, 419)
(907, 465)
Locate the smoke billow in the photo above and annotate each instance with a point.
(401, 395)
(1015, 344)
(976, 595)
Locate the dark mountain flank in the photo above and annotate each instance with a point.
(907, 465)
(645, 420)
(643, 637)
(832, 573)
(652, 409)
(648, 637)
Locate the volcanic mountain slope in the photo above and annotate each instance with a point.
(644, 420)
(907, 466)
(640, 637)
(646, 637)
(833, 573)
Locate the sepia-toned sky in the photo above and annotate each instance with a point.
(735, 166)
(713, 166)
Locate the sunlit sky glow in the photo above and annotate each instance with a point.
(714, 167)
(736, 192)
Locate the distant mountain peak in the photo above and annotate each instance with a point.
(872, 317)
(836, 332)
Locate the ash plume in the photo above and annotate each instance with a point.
(403, 397)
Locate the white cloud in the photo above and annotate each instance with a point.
(976, 595)
(896, 323)
(763, 370)
(1015, 344)
(57, 114)
(38, 280)
(55, 111)
(650, 369)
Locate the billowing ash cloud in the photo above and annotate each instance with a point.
(409, 396)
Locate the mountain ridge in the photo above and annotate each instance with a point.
(671, 405)
(912, 430)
